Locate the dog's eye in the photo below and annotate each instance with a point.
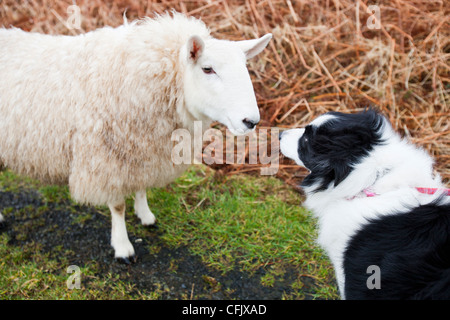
(208, 70)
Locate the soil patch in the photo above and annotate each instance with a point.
(81, 235)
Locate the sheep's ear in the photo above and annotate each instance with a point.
(253, 47)
(195, 48)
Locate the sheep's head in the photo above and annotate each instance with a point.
(217, 84)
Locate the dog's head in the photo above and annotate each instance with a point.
(331, 145)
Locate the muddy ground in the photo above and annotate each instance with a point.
(174, 272)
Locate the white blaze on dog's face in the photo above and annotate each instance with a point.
(289, 144)
(217, 84)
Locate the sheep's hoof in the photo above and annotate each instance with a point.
(152, 226)
(127, 260)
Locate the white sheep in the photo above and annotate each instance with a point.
(96, 111)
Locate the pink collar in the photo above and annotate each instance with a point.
(369, 193)
(433, 190)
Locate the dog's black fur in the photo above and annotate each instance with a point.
(334, 147)
(412, 250)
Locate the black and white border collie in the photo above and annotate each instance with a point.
(381, 211)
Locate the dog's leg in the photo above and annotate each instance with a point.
(124, 251)
(142, 210)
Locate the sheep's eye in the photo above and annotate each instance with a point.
(208, 70)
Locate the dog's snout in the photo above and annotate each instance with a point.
(280, 135)
(250, 123)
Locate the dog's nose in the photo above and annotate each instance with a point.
(250, 123)
(280, 135)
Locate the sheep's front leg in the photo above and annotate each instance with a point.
(142, 210)
(124, 251)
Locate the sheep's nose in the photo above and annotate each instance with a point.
(250, 123)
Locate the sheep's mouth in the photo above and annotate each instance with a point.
(237, 131)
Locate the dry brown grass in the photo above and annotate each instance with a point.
(323, 57)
